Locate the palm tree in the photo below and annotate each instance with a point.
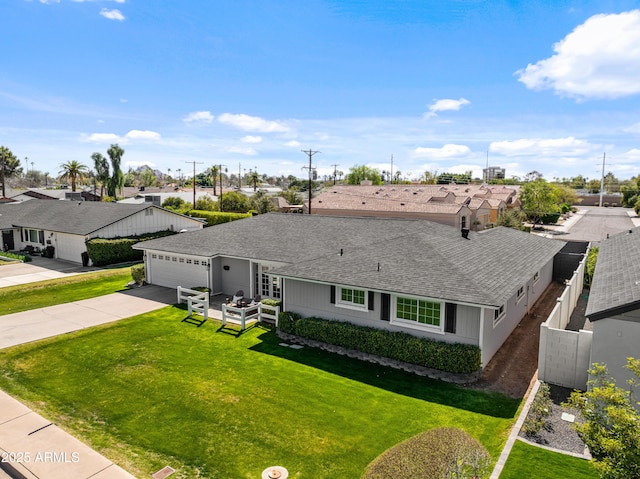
(73, 171)
(254, 177)
(213, 172)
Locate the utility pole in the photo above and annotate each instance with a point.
(310, 154)
(4, 194)
(335, 173)
(602, 180)
(194, 180)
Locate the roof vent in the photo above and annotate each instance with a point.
(364, 202)
(341, 252)
(465, 233)
(401, 204)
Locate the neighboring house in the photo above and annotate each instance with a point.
(55, 194)
(66, 225)
(463, 206)
(614, 304)
(415, 276)
(159, 198)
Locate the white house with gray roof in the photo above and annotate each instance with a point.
(614, 304)
(415, 276)
(66, 225)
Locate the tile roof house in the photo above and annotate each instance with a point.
(66, 225)
(416, 276)
(614, 304)
(462, 206)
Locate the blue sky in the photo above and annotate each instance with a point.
(443, 86)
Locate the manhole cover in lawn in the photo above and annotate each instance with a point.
(164, 472)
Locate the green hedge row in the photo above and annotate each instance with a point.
(216, 217)
(451, 357)
(118, 250)
(25, 258)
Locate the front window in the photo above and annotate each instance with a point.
(419, 311)
(498, 314)
(353, 296)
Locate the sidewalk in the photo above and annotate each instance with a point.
(36, 448)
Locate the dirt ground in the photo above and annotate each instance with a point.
(514, 368)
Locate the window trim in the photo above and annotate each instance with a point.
(407, 323)
(342, 303)
(519, 294)
(499, 314)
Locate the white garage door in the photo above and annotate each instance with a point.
(173, 271)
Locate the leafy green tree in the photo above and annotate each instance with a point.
(254, 178)
(234, 202)
(148, 177)
(611, 183)
(101, 168)
(534, 175)
(359, 173)
(174, 203)
(116, 182)
(73, 171)
(458, 178)
(262, 202)
(631, 192)
(511, 219)
(206, 203)
(11, 163)
(293, 197)
(539, 198)
(611, 427)
(213, 172)
(593, 186)
(578, 182)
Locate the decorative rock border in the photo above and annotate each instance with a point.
(459, 379)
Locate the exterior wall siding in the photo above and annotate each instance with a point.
(314, 299)
(515, 310)
(236, 277)
(141, 223)
(614, 340)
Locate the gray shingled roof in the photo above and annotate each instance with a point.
(75, 217)
(616, 281)
(416, 256)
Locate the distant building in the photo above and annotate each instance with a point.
(493, 173)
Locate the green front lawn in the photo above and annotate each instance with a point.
(24, 297)
(525, 459)
(153, 390)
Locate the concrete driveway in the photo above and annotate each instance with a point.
(31, 446)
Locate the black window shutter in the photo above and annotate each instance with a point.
(41, 236)
(450, 310)
(385, 301)
(371, 298)
(333, 294)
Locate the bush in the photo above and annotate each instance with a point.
(138, 274)
(539, 412)
(434, 454)
(451, 357)
(103, 252)
(216, 217)
(590, 267)
(25, 258)
(550, 219)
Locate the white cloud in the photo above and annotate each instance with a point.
(102, 138)
(599, 59)
(635, 128)
(447, 151)
(142, 135)
(114, 14)
(252, 123)
(292, 144)
(136, 164)
(556, 147)
(49, 2)
(199, 116)
(251, 139)
(242, 151)
(113, 138)
(445, 105)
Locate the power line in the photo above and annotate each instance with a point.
(194, 179)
